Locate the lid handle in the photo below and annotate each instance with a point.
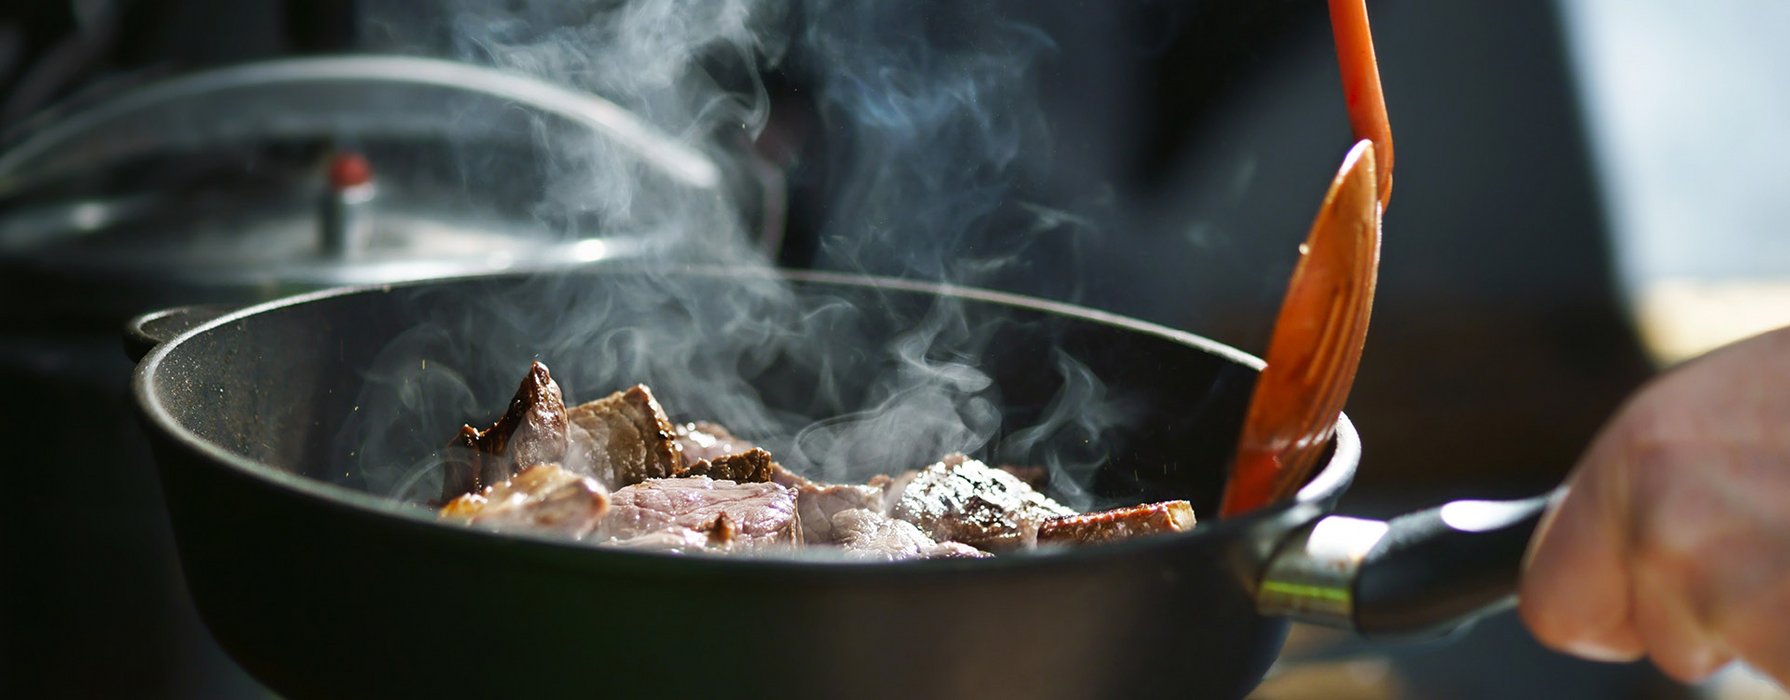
(343, 221)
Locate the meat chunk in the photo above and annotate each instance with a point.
(531, 431)
(868, 534)
(759, 516)
(751, 466)
(818, 503)
(703, 440)
(541, 497)
(1117, 524)
(815, 502)
(622, 439)
(963, 500)
(467, 466)
(718, 536)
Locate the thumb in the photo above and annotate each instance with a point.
(1576, 593)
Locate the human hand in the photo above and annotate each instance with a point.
(1673, 540)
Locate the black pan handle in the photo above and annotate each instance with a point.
(1438, 568)
(143, 333)
(1426, 573)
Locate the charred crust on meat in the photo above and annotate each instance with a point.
(702, 440)
(751, 466)
(461, 465)
(532, 430)
(1118, 523)
(721, 531)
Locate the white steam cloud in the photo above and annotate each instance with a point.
(932, 115)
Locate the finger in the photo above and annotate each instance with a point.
(1740, 596)
(1707, 560)
(1758, 638)
(1575, 591)
(1677, 640)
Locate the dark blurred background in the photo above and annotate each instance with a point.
(1191, 141)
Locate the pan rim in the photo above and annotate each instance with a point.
(1311, 501)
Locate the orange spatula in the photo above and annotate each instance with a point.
(1323, 322)
(1317, 342)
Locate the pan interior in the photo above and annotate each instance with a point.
(340, 388)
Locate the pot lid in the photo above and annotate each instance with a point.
(317, 172)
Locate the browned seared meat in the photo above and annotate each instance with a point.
(541, 497)
(721, 532)
(466, 467)
(760, 516)
(868, 534)
(703, 440)
(751, 466)
(711, 442)
(622, 439)
(963, 500)
(1119, 523)
(818, 503)
(531, 431)
(538, 414)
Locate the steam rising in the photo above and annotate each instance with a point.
(940, 103)
(935, 115)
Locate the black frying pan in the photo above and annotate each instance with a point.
(321, 589)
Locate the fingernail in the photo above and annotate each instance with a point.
(1601, 651)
